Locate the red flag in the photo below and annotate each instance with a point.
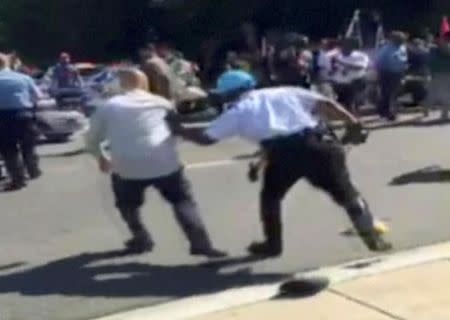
(445, 29)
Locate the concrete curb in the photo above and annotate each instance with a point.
(189, 308)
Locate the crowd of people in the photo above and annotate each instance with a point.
(278, 102)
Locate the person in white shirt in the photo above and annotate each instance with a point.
(143, 154)
(349, 76)
(285, 122)
(329, 49)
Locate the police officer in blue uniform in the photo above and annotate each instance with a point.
(18, 96)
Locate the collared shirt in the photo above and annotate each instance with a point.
(348, 68)
(392, 58)
(17, 91)
(268, 113)
(141, 143)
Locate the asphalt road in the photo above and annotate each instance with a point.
(59, 237)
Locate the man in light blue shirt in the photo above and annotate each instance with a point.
(18, 95)
(391, 64)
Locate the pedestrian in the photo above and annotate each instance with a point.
(18, 96)
(143, 154)
(66, 81)
(391, 64)
(160, 77)
(293, 61)
(349, 78)
(419, 71)
(284, 121)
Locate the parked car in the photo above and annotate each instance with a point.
(56, 125)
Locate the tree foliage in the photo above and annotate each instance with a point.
(101, 29)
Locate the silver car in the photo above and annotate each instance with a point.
(56, 125)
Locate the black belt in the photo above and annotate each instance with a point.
(317, 131)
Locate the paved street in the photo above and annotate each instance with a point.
(59, 236)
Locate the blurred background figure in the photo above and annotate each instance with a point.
(349, 70)
(391, 64)
(66, 81)
(418, 75)
(160, 76)
(18, 96)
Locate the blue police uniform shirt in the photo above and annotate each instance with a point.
(17, 91)
(392, 58)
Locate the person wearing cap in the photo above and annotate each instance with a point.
(66, 81)
(285, 122)
(391, 63)
(143, 154)
(18, 96)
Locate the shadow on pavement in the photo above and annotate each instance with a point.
(248, 156)
(67, 154)
(432, 174)
(11, 266)
(77, 276)
(416, 122)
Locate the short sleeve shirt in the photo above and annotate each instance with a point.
(268, 113)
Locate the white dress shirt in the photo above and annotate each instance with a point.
(344, 74)
(268, 113)
(141, 143)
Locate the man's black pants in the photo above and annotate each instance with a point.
(17, 145)
(351, 95)
(323, 163)
(176, 189)
(390, 86)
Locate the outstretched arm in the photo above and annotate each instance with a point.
(225, 126)
(194, 134)
(332, 110)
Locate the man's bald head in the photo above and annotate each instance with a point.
(4, 61)
(132, 79)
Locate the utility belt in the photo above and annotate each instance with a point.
(269, 146)
(321, 132)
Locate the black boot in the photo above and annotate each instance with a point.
(141, 242)
(273, 246)
(363, 222)
(201, 243)
(139, 245)
(14, 186)
(16, 172)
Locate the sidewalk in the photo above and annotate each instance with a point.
(408, 285)
(418, 292)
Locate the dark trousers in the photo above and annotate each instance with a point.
(390, 85)
(351, 95)
(176, 189)
(17, 145)
(323, 163)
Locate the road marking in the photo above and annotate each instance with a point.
(194, 307)
(219, 163)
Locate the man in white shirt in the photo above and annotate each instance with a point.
(329, 49)
(349, 76)
(143, 154)
(285, 121)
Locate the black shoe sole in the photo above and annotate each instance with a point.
(14, 188)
